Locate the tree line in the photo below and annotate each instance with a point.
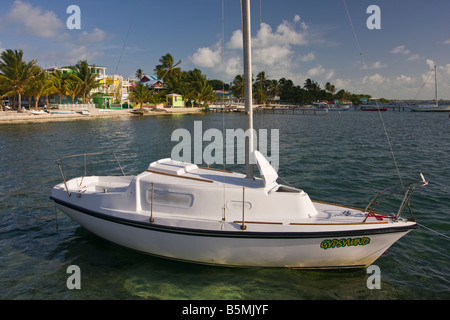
(196, 88)
(20, 79)
(267, 90)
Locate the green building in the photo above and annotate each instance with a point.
(103, 101)
(174, 100)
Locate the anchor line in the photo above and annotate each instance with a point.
(438, 233)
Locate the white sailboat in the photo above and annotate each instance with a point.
(432, 107)
(180, 211)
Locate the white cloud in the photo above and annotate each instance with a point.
(430, 63)
(269, 56)
(316, 71)
(342, 83)
(82, 53)
(36, 22)
(233, 67)
(378, 65)
(329, 74)
(446, 42)
(235, 40)
(400, 49)
(71, 54)
(375, 79)
(404, 78)
(286, 34)
(308, 57)
(413, 57)
(207, 57)
(97, 35)
(273, 50)
(445, 69)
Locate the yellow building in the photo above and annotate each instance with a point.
(115, 86)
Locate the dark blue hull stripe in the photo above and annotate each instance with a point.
(233, 234)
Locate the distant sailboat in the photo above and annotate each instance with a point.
(432, 107)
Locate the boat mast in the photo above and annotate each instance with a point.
(435, 86)
(246, 32)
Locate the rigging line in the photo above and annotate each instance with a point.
(223, 86)
(441, 234)
(423, 85)
(128, 33)
(223, 108)
(371, 87)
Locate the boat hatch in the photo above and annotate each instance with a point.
(172, 167)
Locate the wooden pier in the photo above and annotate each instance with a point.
(270, 110)
(291, 110)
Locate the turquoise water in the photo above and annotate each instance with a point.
(342, 158)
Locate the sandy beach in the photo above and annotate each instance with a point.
(14, 117)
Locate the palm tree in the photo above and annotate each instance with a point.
(188, 93)
(4, 90)
(49, 88)
(58, 80)
(204, 92)
(139, 74)
(174, 83)
(260, 88)
(310, 85)
(167, 68)
(16, 73)
(330, 88)
(155, 98)
(274, 89)
(237, 87)
(140, 94)
(42, 85)
(260, 94)
(73, 87)
(261, 78)
(87, 78)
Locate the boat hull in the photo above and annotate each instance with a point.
(310, 250)
(431, 109)
(374, 109)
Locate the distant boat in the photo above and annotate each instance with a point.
(85, 112)
(372, 108)
(432, 107)
(63, 112)
(137, 111)
(330, 106)
(334, 107)
(38, 112)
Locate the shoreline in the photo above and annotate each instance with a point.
(14, 117)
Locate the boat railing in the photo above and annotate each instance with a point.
(389, 192)
(63, 164)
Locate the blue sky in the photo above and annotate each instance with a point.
(293, 39)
